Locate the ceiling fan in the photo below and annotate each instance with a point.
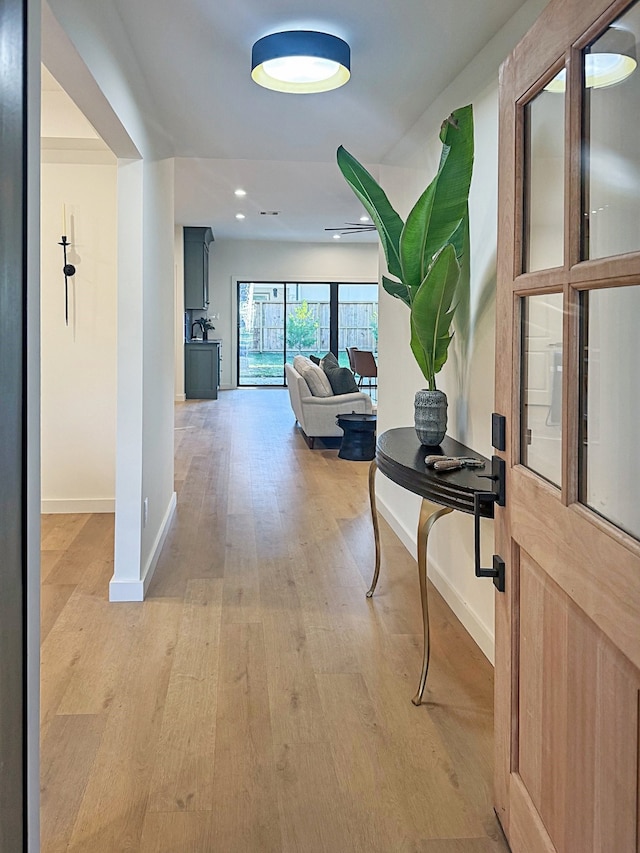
(354, 228)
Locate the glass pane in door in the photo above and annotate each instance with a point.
(544, 181)
(357, 319)
(260, 333)
(610, 470)
(308, 310)
(611, 179)
(541, 393)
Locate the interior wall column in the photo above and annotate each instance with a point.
(126, 583)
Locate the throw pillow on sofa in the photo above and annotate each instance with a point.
(329, 361)
(341, 378)
(314, 376)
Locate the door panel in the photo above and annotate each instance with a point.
(568, 629)
(581, 776)
(599, 572)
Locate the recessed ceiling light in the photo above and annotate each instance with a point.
(336, 236)
(302, 61)
(240, 193)
(364, 219)
(240, 216)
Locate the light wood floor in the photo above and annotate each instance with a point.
(257, 701)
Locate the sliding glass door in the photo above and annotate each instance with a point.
(279, 320)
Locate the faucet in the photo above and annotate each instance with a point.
(197, 323)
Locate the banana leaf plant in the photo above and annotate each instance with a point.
(427, 253)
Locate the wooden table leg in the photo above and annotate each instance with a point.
(429, 514)
(376, 527)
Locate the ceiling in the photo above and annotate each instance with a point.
(227, 132)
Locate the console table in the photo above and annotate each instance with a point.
(400, 457)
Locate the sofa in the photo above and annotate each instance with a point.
(314, 403)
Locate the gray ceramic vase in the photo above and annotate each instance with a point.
(431, 416)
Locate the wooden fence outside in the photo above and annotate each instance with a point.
(357, 322)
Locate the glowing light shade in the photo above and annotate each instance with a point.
(301, 61)
(610, 60)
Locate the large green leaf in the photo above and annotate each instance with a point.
(440, 210)
(413, 238)
(420, 356)
(454, 179)
(463, 294)
(433, 310)
(460, 239)
(387, 221)
(397, 289)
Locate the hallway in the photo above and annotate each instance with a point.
(257, 702)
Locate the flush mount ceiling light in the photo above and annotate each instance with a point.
(610, 60)
(301, 61)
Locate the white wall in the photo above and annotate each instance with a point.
(78, 366)
(86, 48)
(158, 355)
(231, 261)
(468, 377)
(145, 373)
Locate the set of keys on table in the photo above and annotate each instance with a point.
(452, 463)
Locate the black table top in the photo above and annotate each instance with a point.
(400, 457)
(355, 417)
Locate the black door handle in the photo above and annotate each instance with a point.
(497, 476)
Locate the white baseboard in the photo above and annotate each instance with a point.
(135, 590)
(180, 398)
(483, 638)
(80, 505)
(122, 590)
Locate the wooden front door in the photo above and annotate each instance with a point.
(568, 382)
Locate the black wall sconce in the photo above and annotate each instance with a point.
(68, 270)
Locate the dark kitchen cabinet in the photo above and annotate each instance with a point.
(202, 370)
(196, 267)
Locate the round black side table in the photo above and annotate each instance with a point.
(359, 440)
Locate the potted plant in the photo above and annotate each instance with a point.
(205, 325)
(425, 255)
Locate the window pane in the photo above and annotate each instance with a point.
(357, 319)
(308, 318)
(610, 469)
(260, 333)
(541, 395)
(611, 192)
(544, 182)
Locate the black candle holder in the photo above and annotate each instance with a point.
(68, 270)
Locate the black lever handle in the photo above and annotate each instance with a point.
(479, 498)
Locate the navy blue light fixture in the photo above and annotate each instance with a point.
(301, 61)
